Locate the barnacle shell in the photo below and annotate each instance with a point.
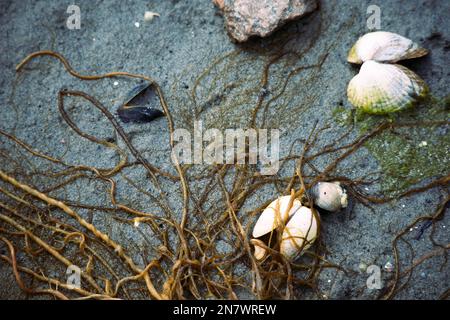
(299, 233)
(329, 196)
(274, 215)
(384, 46)
(381, 88)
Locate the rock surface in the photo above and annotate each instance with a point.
(247, 18)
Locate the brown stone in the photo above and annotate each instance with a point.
(219, 3)
(246, 18)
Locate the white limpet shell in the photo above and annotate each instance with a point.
(329, 196)
(274, 215)
(300, 233)
(384, 46)
(381, 88)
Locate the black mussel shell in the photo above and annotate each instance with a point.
(134, 109)
(138, 114)
(135, 93)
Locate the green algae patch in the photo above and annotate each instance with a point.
(407, 155)
(343, 116)
(406, 161)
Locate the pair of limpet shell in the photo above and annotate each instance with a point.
(381, 86)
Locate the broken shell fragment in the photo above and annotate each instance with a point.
(260, 252)
(274, 215)
(384, 46)
(300, 233)
(149, 15)
(381, 88)
(329, 196)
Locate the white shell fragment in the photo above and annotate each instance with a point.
(381, 88)
(329, 196)
(299, 233)
(260, 252)
(274, 215)
(149, 15)
(384, 46)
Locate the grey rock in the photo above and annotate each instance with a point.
(247, 18)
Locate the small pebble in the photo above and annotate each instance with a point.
(388, 267)
(137, 24)
(423, 274)
(329, 281)
(423, 144)
(362, 267)
(116, 83)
